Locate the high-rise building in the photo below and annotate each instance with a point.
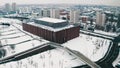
(40, 13)
(55, 13)
(74, 16)
(103, 19)
(14, 7)
(7, 7)
(25, 10)
(100, 18)
(46, 13)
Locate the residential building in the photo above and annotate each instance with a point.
(55, 13)
(46, 13)
(100, 18)
(7, 7)
(74, 16)
(14, 7)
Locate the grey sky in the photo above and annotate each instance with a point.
(103, 2)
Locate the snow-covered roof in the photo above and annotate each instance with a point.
(90, 22)
(51, 20)
(7, 20)
(13, 15)
(84, 16)
(50, 28)
(106, 33)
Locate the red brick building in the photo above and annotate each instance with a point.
(60, 34)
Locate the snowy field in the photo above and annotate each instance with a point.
(92, 47)
(19, 40)
(56, 58)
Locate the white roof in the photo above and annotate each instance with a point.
(8, 20)
(51, 20)
(92, 22)
(50, 28)
(85, 16)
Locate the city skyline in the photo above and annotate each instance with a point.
(82, 2)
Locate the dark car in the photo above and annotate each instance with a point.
(7, 24)
(91, 28)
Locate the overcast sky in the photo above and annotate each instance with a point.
(103, 2)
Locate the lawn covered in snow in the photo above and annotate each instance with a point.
(15, 41)
(92, 47)
(56, 58)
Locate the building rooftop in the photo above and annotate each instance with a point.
(51, 20)
(50, 28)
(85, 16)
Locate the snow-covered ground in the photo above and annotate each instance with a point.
(22, 47)
(12, 35)
(92, 47)
(56, 58)
(105, 33)
(15, 40)
(21, 41)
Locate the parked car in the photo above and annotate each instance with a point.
(7, 24)
(82, 25)
(91, 28)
